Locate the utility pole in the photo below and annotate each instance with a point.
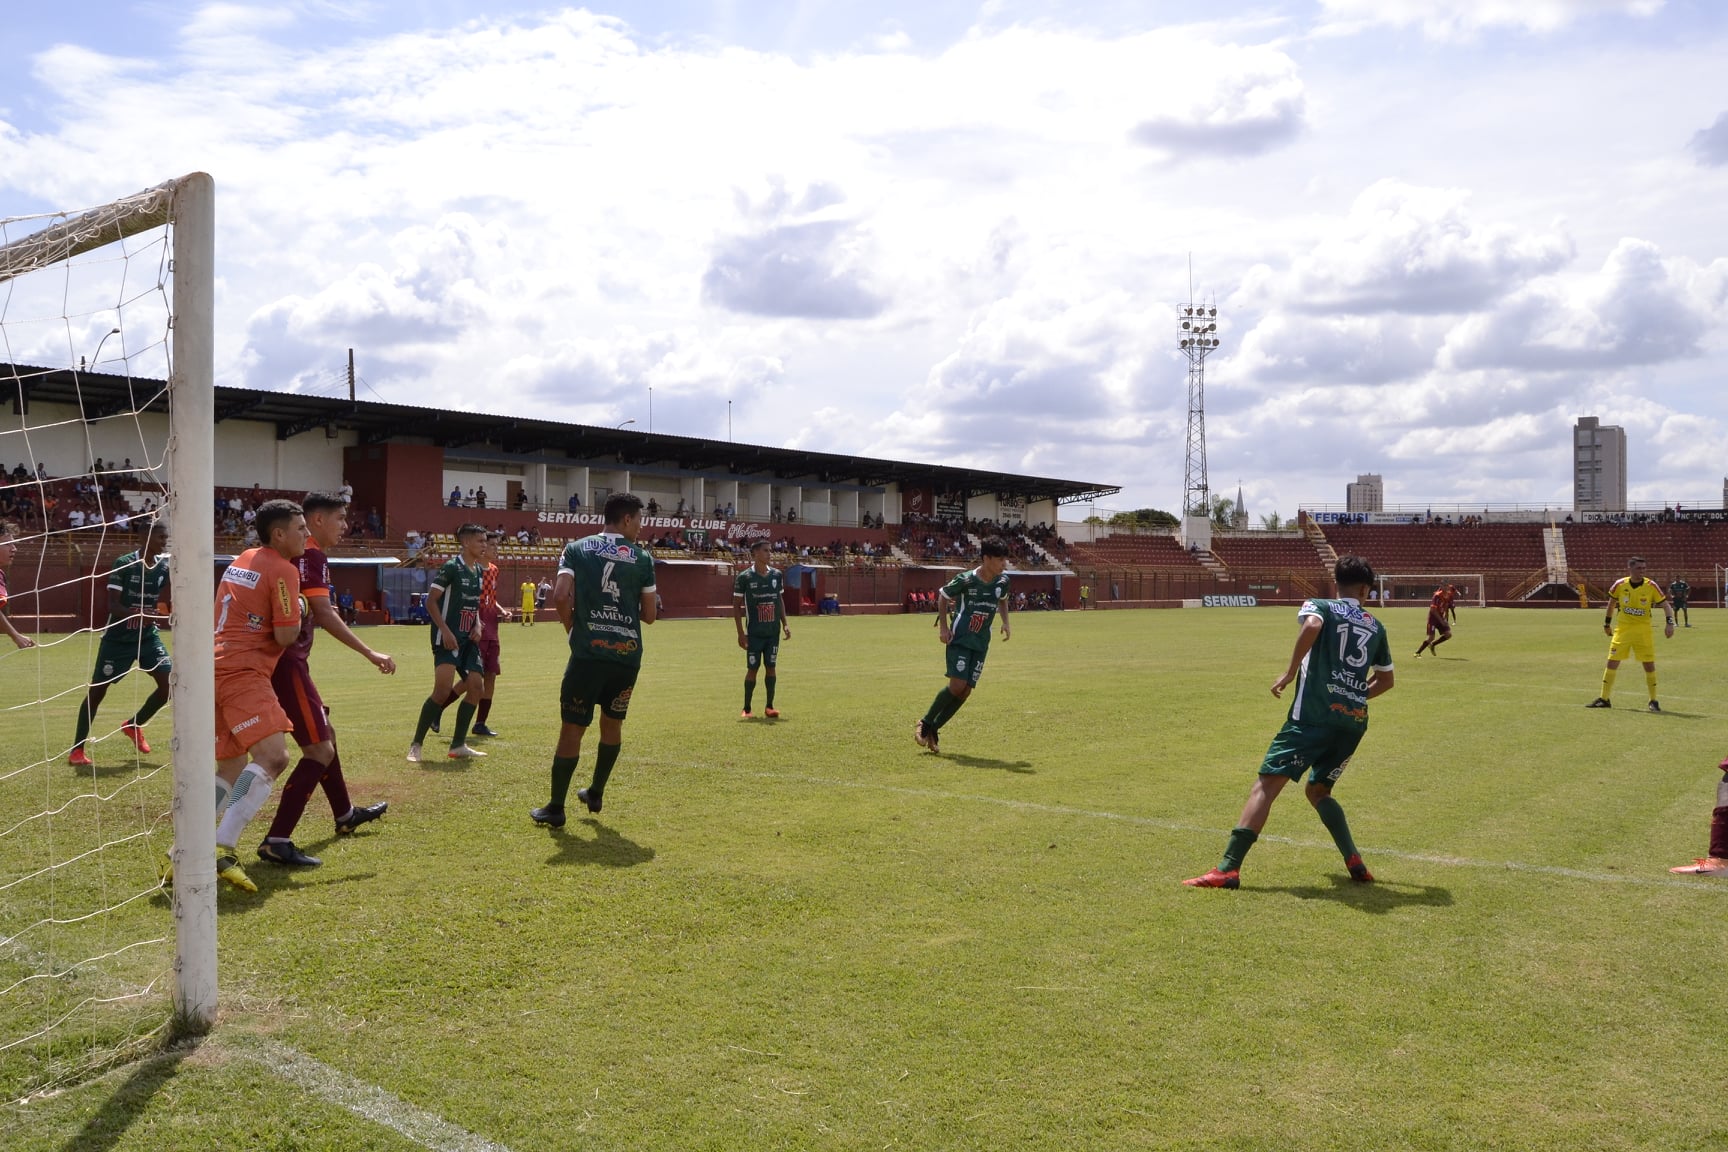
(350, 375)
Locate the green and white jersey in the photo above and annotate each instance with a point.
(140, 586)
(1332, 686)
(761, 597)
(610, 575)
(975, 604)
(460, 605)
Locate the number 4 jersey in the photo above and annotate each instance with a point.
(610, 574)
(1332, 686)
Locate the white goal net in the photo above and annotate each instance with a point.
(99, 461)
(1413, 590)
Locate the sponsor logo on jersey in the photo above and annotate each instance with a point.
(607, 549)
(621, 702)
(1229, 602)
(245, 577)
(1353, 713)
(622, 647)
(245, 724)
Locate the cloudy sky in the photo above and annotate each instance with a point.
(1436, 231)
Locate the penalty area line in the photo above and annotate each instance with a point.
(367, 1101)
(1172, 826)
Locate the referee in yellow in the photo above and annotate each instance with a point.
(1636, 600)
(527, 591)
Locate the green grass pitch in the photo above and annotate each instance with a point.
(812, 934)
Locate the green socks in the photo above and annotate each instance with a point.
(1241, 839)
(83, 732)
(464, 717)
(749, 691)
(1332, 815)
(769, 685)
(152, 705)
(429, 713)
(942, 708)
(563, 768)
(605, 756)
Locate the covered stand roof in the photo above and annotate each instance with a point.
(103, 394)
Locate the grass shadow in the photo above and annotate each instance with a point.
(1379, 897)
(608, 849)
(127, 1103)
(1023, 767)
(104, 771)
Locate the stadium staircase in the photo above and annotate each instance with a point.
(1209, 560)
(1322, 547)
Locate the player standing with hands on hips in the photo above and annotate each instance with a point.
(760, 615)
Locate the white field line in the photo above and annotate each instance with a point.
(367, 1101)
(1369, 851)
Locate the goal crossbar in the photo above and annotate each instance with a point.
(97, 228)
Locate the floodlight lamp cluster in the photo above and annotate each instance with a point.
(1198, 322)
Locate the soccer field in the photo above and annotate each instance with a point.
(810, 933)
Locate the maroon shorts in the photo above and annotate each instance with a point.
(299, 698)
(489, 651)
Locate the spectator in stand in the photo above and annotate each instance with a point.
(575, 502)
(480, 496)
(374, 526)
(653, 507)
(455, 496)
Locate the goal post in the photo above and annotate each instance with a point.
(1415, 589)
(192, 483)
(82, 922)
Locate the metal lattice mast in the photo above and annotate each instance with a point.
(1197, 337)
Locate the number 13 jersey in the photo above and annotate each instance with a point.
(1332, 686)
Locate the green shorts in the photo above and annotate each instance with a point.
(761, 650)
(965, 664)
(117, 653)
(1323, 752)
(466, 659)
(595, 682)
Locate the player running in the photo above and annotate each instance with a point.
(760, 614)
(320, 759)
(965, 607)
(604, 596)
(454, 604)
(137, 587)
(1440, 611)
(1636, 600)
(1341, 661)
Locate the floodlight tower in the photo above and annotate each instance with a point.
(1197, 337)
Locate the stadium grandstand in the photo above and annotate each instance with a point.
(864, 532)
(873, 535)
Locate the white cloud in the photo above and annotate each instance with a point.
(1639, 309)
(1461, 19)
(1418, 250)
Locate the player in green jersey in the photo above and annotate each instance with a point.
(604, 596)
(454, 603)
(760, 615)
(137, 585)
(965, 606)
(1342, 660)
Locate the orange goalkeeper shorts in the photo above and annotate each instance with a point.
(246, 712)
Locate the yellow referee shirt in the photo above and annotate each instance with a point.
(1636, 603)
